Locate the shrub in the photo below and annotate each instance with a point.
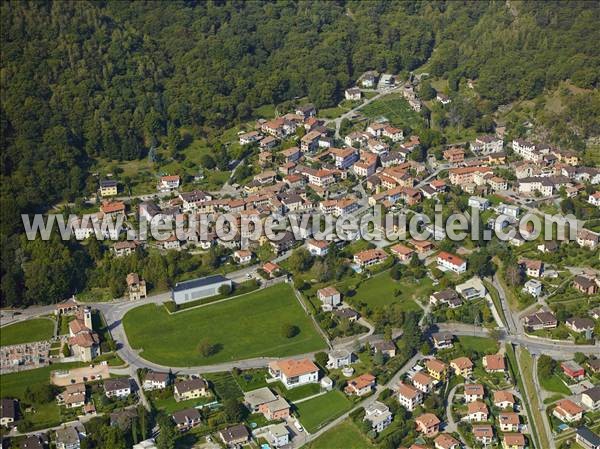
(290, 330)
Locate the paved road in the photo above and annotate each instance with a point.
(451, 426)
(557, 350)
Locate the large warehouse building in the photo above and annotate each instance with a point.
(198, 288)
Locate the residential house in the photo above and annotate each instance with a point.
(588, 239)
(379, 415)
(155, 380)
(8, 412)
(591, 398)
(446, 441)
(477, 411)
(408, 396)
(386, 347)
(436, 369)
(330, 298)
(594, 199)
(136, 287)
(487, 144)
(533, 287)
(271, 269)
(478, 202)
(494, 363)
(586, 284)
(73, 396)
(587, 439)
(473, 392)
(338, 358)
(67, 438)
(392, 133)
(124, 248)
(242, 256)
(454, 155)
(541, 320)
(169, 183)
(442, 340)
(573, 370)
(108, 187)
(442, 98)
(112, 209)
(294, 373)
(310, 141)
(370, 257)
(186, 419)
(513, 441)
(483, 433)
(318, 248)
(422, 382)
(533, 268)
(464, 176)
(428, 424)
(190, 389)
(306, 111)
(235, 436)
(35, 442)
(250, 137)
(117, 388)
(580, 325)
(567, 411)
(402, 252)
(277, 435)
(361, 385)
(347, 314)
(509, 421)
(193, 201)
(447, 261)
(471, 289)
(462, 366)
(504, 399)
(353, 94)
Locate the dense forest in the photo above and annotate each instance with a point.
(81, 80)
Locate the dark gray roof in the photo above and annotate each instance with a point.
(117, 384)
(593, 393)
(8, 408)
(183, 416)
(200, 282)
(190, 385)
(589, 436)
(234, 433)
(108, 183)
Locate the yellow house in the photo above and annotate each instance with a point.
(462, 366)
(190, 389)
(436, 369)
(108, 187)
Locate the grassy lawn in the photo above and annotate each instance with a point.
(379, 290)
(170, 405)
(295, 394)
(27, 331)
(496, 300)
(531, 401)
(315, 413)
(396, 109)
(344, 436)
(246, 327)
(224, 385)
(554, 385)
(331, 112)
(13, 386)
(479, 344)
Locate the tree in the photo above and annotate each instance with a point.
(378, 358)
(321, 358)
(234, 410)
(426, 91)
(66, 351)
(290, 330)
(207, 348)
(168, 433)
(300, 260)
(225, 289)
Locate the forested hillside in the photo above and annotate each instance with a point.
(81, 80)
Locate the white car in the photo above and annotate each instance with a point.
(298, 426)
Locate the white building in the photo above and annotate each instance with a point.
(451, 262)
(479, 203)
(379, 415)
(117, 388)
(533, 287)
(294, 373)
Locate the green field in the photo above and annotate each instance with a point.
(13, 386)
(554, 385)
(27, 331)
(317, 412)
(479, 344)
(379, 291)
(344, 436)
(396, 109)
(245, 327)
